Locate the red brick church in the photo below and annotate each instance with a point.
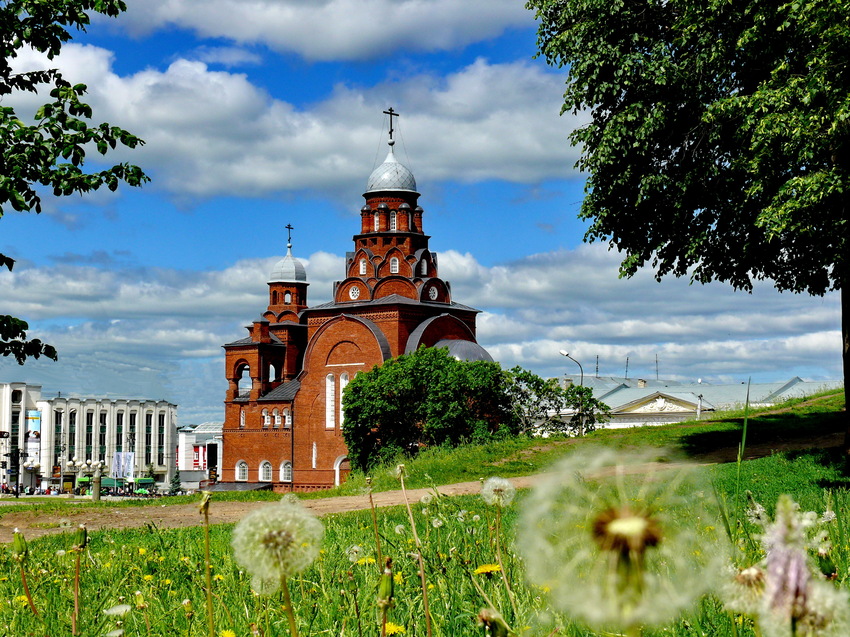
(283, 411)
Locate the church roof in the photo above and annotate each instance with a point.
(390, 299)
(288, 269)
(285, 391)
(464, 350)
(391, 175)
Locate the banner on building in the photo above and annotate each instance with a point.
(122, 464)
(33, 429)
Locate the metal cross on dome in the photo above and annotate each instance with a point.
(289, 228)
(392, 114)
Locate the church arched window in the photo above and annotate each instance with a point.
(266, 471)
(242, 471)
(267, 420)
(286, 472)
(377, 221)
(394, 265)
(423, 267)
(330, 402)
(287, 418)
(276, 416)
(287, 297)
(362, 267)
(242, 419)
(343, 381)
(393, 221)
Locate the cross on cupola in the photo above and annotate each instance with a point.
(392, 114)
(289, 228)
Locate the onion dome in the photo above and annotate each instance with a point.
(288, 269)
(391, 175)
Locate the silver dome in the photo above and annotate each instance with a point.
(464, 350)
(391, 175)
(288, 269)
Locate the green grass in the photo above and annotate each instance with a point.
(156, 570)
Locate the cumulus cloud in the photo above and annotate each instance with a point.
(213, 132)
(334, 29)
(159, 332)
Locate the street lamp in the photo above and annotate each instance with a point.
(580, 368)
(32, 467)
(581, 392)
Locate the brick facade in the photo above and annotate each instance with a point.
(283, 411)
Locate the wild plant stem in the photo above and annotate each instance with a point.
(76, 612)
(741, 448)
(380, 561)
(208, 568)
(290, 613)
(419, 556)
(27, 589)
(501, 564)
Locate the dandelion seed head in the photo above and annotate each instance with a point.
(426, 499)
(400, 529)
(354, 552)
(436, 523)
(119, 610)
(498, 492)
(276, 541)
(620, 529)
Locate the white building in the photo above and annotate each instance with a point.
(199, 449)
(53, 442)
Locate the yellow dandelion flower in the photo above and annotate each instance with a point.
(366, 560)
(148, 578)
(227, 633)
(166, 581)
(22, 600)
(395, 629)
(218, 577)
(398, 578)
(487, 569)
(142, 551)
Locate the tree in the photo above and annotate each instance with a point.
(719, 138)
(175, 486)
(422, 399)
(539, 405)
(49, 151)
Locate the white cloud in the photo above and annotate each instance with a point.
(159, 332)
(211, 133)
(334, 29)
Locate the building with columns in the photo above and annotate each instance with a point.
(55, 442)
(283, 411)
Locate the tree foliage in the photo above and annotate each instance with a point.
(423, 398)
(719, 138)
(46, 150)
(539, 405)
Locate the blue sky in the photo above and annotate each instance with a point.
(263, 113)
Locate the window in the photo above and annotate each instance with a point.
(393, 221)
(330, 402)
(286, 472)
(377, 221)
(287, 297)
(394, 265)
(343, 381)
(423, 268)
(362, 267)
(287, 418)
(267, 420)
(242, 471)
(266, 471)
(242, 419)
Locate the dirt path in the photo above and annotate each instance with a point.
(35, 523)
